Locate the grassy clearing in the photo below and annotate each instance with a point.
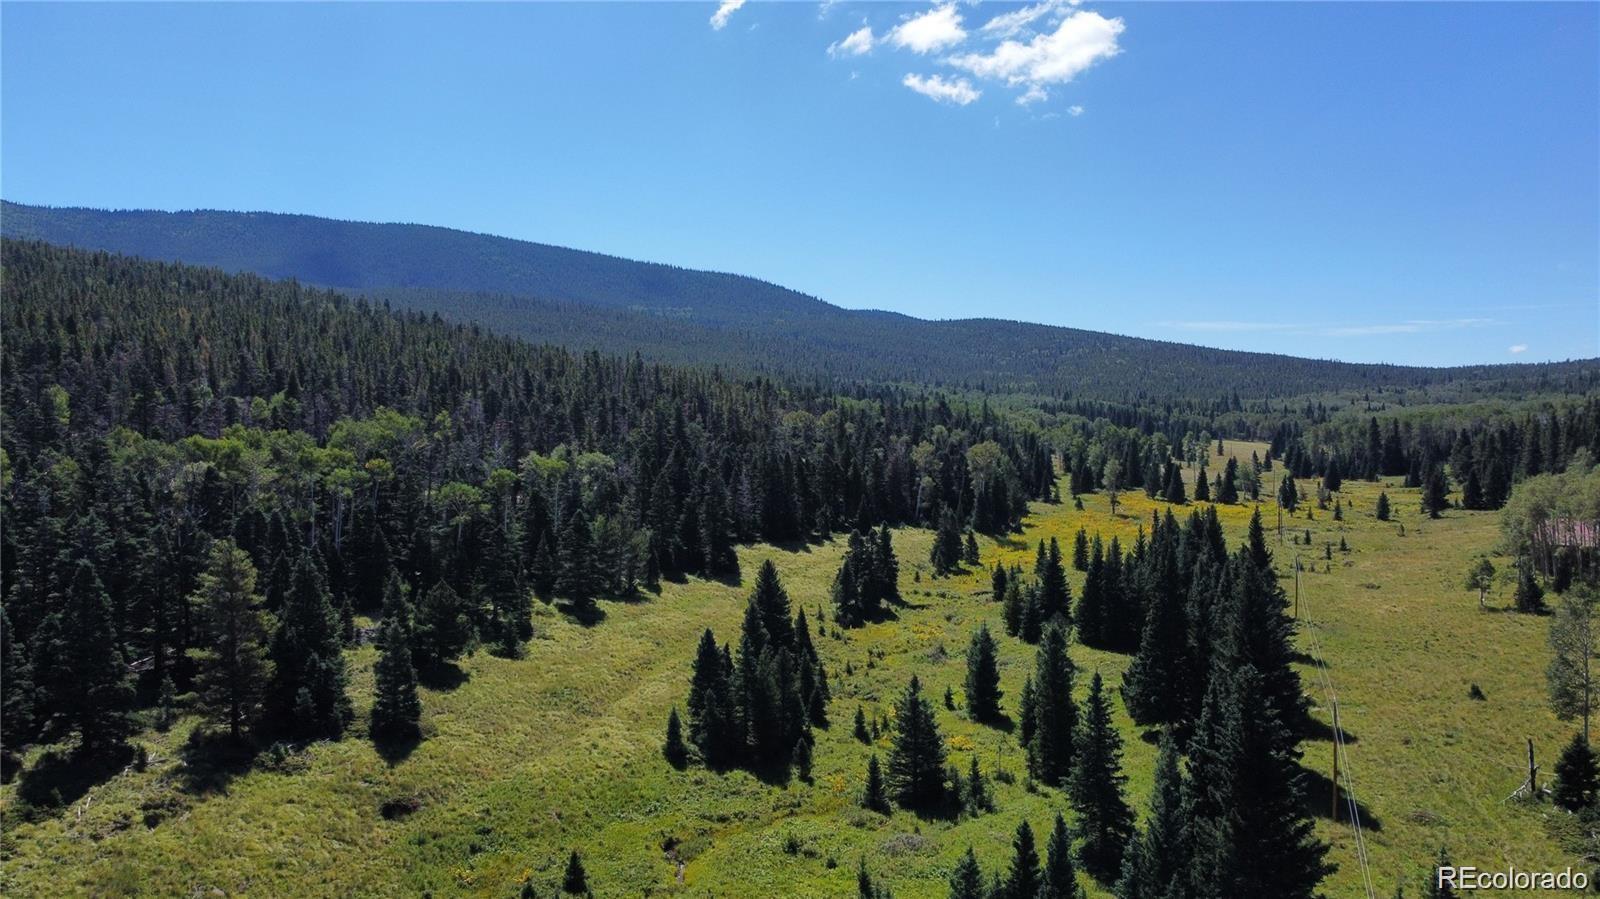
(529, 758)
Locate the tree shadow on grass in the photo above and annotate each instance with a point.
(1317, 729)
(59, 779)
(1319, 801)
(211, 760)
(445, 676)
(585, 615)
(1001, 722)
(395, 748)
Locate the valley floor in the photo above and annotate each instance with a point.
(525, 760)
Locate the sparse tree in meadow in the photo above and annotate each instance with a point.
(1058, 880)
(983, 676)
(575, 880)
(1023, 877)
(1111, 478)
(1381, 509)
(916, 763)
(1577, 782)
(1480, 577)
(875, 794)
(966, 881)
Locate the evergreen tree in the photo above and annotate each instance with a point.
(1059, 881)
(860, 730)
(307, 694)
(1260, 556)
(575, 880)
(1251, 833)
(1435, 491)
(966, 881)
(1229, 492)
(712, 720)
(1050, 749)
(1156, 863)
(1202, 488)
(673, 748)
(1023, 877)
(575, 579)
(1288, 495)
(983, 677)
(89, 687)
(1529, 596)
(1577, 776)
(442, 629)
(396, 710)
(1381, 510)
(969, 550)
(916, 763)
(946, 553)
(875, 795)
(18, 694)
(1161, 665)
(1080, 550)
(232, 667)
(1055, 595)
(1096, 788)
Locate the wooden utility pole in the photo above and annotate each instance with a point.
(1280, 525)
(1533, 772)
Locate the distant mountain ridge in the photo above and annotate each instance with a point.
(585, 300)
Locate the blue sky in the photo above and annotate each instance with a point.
(1413, 183)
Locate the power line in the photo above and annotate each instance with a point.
(1341, 753)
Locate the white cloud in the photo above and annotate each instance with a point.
(936, 29)
(1074, 110)
(726, 9)
(856, 43)
(1079, 41)
(958, 91)
(1008, 24)
(1518, 348)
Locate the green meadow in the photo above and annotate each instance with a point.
(525, 760)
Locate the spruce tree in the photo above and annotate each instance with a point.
(1050, 749)
(875, 794)
(90, 688)
(1058, 880)
(1381, 510)
(1023, 877)
(983, 677)
(945, 556)
(1156, 864)
(966, 881)
(860, 730)
(1096, 788)
(916, 763)
(1149, 687)
(1252, 836)
(307, 694)
(575, 880)
(1229, 493)
(396, 710)
(232, 665)
(442, 629)
(1577, 782)
(712, 724)
(1055, 595)
(1080, 550)
(18, 695)
(673, 748)
(575, 579)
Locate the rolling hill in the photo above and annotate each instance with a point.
(589, 300)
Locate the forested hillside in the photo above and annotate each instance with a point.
(587, 300)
